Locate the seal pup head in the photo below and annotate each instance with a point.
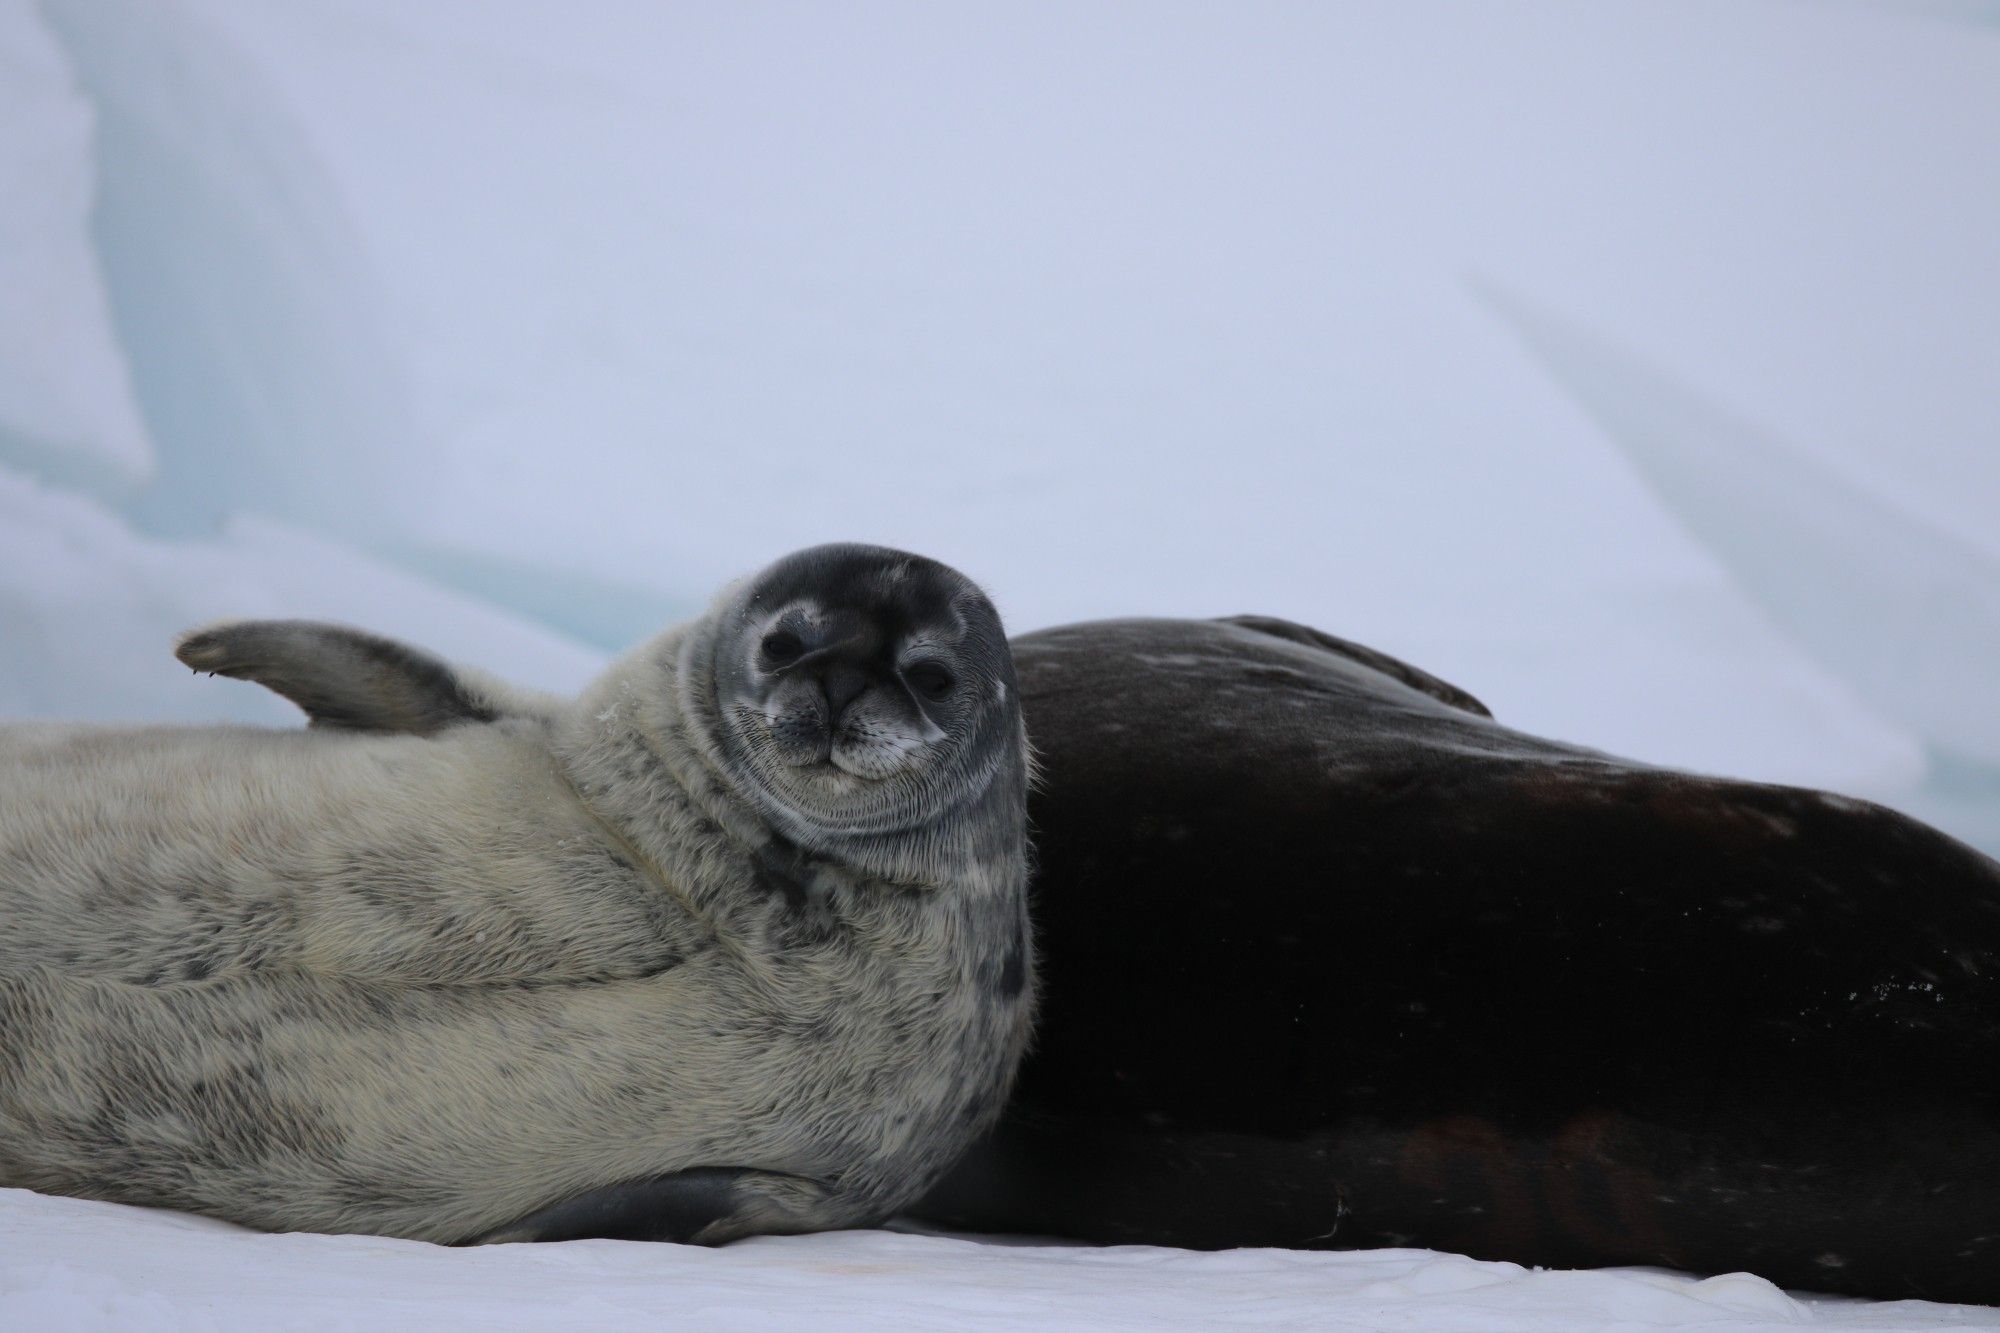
(861, 690)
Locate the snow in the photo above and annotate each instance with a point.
(80, 1265)
(516, 334)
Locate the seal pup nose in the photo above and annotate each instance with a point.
(841, 682)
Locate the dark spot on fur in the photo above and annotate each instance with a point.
(785, 871)
(1014, 971)
(779, 871)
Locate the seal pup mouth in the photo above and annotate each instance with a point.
(856, 747)
(872, 754)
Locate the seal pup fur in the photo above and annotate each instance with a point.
(734, 942)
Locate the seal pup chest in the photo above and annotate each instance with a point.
(907, 1004)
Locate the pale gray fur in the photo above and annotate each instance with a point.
(422, 985)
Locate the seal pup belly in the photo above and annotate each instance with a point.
(185, 854)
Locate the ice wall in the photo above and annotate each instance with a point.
(89, 609)
(268, 443)
(660, 296)
(1169, 326)
(1900, 607)
(258, 350)
(66, 406)
(269, 363)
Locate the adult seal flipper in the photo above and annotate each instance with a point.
(699, 1206)
(1291, 631)
(1332, 960)
(350, 679)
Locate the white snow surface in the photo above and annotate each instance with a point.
(71, 1264)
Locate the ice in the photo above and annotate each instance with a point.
(608, 612)
(89, 609)
(264, 374)
(1135, 342)
(1890, 602)
(270, 367)
(80, 1265)
(1897, 605)
(262, 362)
(66, 406)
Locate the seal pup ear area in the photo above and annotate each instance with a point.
(702, 1206)
(341, 677)
(1421, 681)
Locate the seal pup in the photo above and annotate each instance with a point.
(1334, 959)
(734, 942)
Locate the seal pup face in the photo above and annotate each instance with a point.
(864, 690)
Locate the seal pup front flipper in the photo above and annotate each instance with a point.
(703, 1205)
(347, 678)
(1396, 669)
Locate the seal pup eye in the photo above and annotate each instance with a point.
(781, 648)
(929, 679)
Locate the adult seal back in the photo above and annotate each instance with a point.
(1334, 959)
(735, 942)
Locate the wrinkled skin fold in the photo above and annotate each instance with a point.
(1332, 959)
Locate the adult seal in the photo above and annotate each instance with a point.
(735, 942)
(1332, 959)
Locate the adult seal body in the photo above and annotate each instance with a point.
(734, 942)
(1332, 959)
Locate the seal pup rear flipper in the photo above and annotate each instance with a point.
(349, 679)
(703, 1206)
